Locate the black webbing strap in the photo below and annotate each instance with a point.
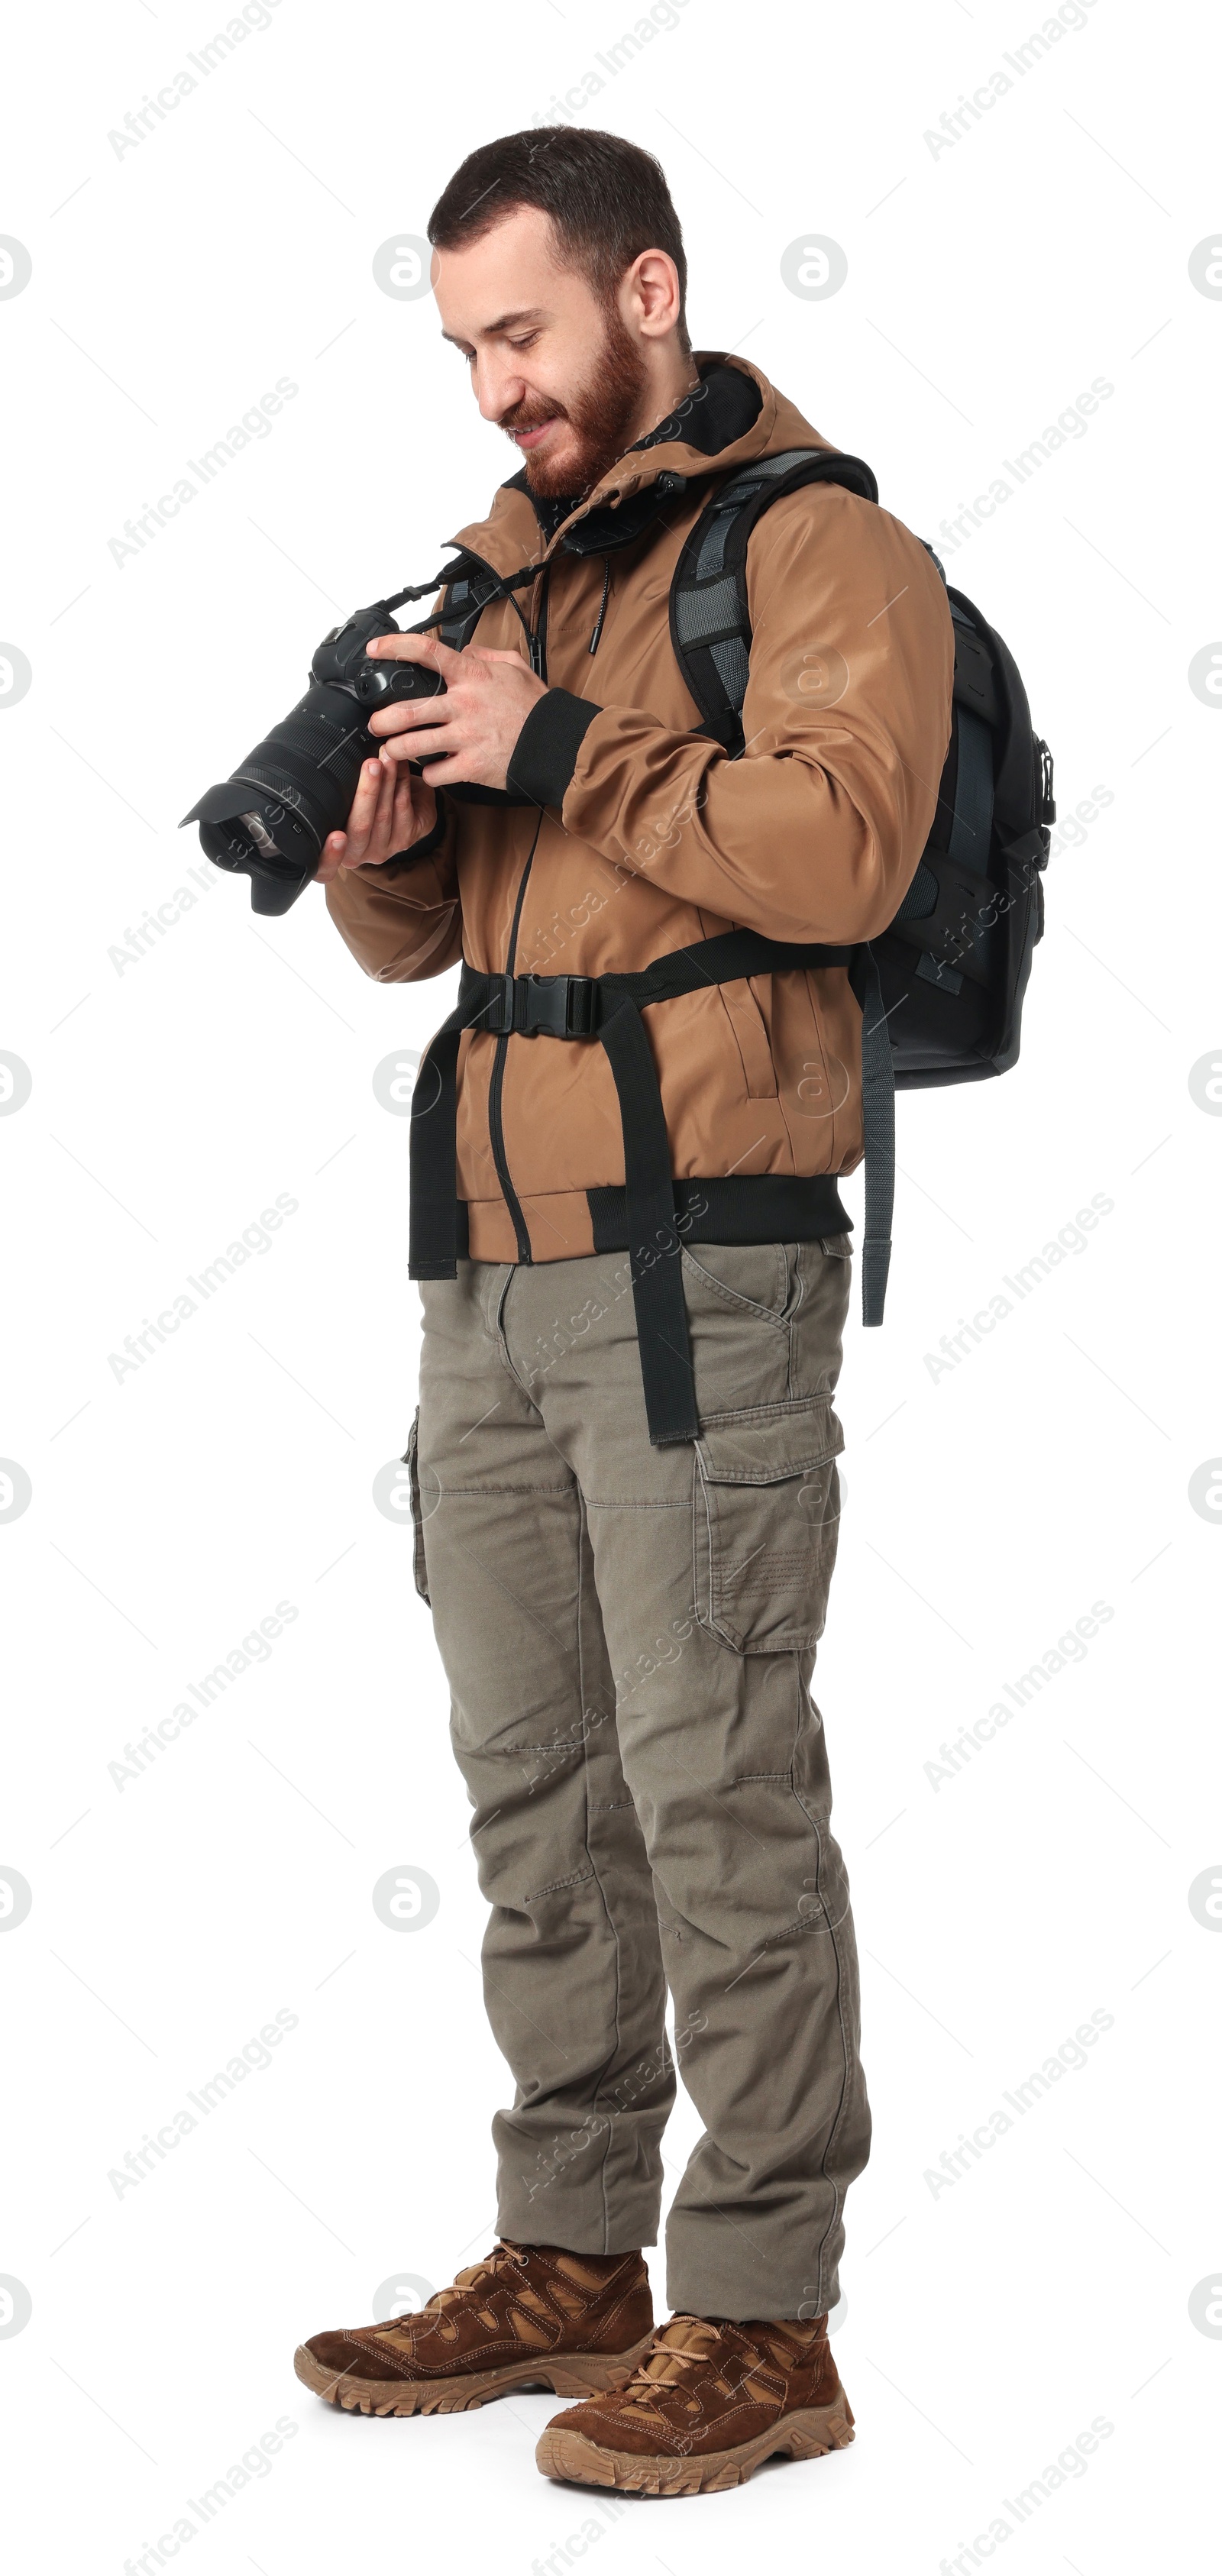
(878, 1133)
(654, 1244)
(433, 1230)
(608, 1008)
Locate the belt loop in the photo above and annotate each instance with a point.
(581, 1013)
(497, 1015)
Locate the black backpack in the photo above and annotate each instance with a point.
(953, 964)
(941, 989)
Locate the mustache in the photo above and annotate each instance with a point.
(530, 414)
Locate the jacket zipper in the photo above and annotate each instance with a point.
(496, 1131)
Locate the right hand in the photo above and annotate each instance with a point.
(390, 810)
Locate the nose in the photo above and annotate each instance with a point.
(498, 388)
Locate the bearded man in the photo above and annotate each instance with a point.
(634, 1267)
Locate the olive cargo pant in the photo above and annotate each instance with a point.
(628, 1634)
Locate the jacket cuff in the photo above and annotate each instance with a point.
(544, 756)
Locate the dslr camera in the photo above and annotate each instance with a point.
(270, 819)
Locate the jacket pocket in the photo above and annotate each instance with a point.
(419, 1568)
(738, 1001)
(766, 1504)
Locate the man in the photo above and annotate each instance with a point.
(624, 1455)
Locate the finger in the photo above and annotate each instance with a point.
(415, 648)
(384, 818)
(402, 648)
(459, 769)
(377, 844)
(404, 826)
(402, 714)
(332, 858)
(364, 809)
(421, 745)
(484, 653)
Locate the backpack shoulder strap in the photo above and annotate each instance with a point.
(710, 624)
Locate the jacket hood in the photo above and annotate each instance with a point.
(735, 416)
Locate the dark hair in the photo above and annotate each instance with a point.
(607, 199)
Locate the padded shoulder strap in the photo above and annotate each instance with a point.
(463, 602)
(710, 624)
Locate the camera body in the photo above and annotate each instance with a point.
(269, 820)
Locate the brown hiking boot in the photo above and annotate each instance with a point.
(709, 2401)
(528, 2316)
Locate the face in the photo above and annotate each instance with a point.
(567, 378)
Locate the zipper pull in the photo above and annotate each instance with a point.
(535, 650)
(598, 623)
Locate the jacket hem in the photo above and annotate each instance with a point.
(750, 1207)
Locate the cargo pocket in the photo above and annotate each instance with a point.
(766, 1515)
(419, 1568)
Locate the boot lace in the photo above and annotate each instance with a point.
(676, 2348)
(495, 2268)
(684, 2343)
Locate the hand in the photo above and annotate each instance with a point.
(474, 727)
(390, 810)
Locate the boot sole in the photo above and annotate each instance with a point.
(570, 2374)
(805, 2435)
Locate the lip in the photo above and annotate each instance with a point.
(527, 438)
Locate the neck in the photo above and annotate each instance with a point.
(674, 377)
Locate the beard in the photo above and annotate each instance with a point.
(599, 414)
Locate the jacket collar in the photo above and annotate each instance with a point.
(517, 531)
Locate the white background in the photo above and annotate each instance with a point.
(988, 284)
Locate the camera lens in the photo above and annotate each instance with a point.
(257, 828)
(269, 820)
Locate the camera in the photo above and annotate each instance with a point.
(269, 820)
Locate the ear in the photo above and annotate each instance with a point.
(649, 294)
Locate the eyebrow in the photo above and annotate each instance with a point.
(504, 322)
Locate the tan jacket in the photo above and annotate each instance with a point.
(652, 838)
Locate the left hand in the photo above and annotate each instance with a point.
(475, 725)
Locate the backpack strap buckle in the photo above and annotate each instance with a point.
(555, 1006)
